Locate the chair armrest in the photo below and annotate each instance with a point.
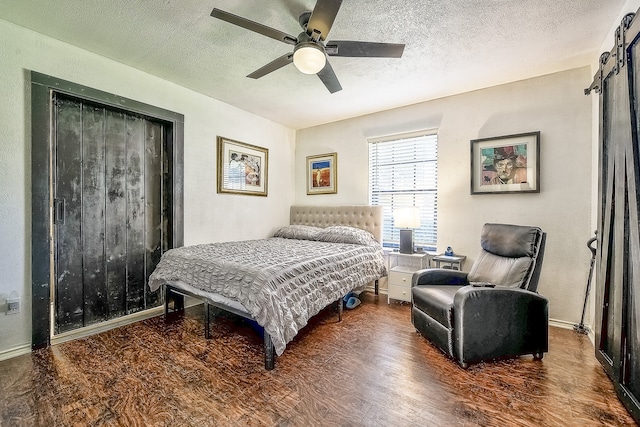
(469, 294)
(499, 321)
(439, 276)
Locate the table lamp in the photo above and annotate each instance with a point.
(406, 219)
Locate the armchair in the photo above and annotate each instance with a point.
(492, 311)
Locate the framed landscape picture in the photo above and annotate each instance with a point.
(242, 168)
(322, 174)
(506, 164)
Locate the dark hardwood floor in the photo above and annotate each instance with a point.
(371, 369)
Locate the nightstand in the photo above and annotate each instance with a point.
(401, 269)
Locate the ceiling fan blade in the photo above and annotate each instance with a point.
(285, 59)
(254, 26)
(364, 49)
(329, 78)
(323, 16)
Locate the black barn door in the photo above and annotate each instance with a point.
(618, 259)
(110, 211)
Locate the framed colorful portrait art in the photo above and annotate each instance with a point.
(242, 168)
(322, 174)
(506, 164)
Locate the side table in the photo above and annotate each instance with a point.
(453, 262)
(401, 269)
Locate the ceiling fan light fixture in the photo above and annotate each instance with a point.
(309, 58)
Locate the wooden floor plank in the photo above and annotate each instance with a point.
(371, 369)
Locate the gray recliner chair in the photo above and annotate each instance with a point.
(494, 310)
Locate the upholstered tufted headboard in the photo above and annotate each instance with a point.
(360, 216)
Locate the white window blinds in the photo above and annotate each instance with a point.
(403, 172)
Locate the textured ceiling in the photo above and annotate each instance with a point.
(451, 47)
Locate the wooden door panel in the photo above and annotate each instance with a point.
(631, 373)
(614, 243)
(606, 342)
(154, 208)
(57, 260)
(116, 210)
(618, 279)
(68, 209)
(93, 214)
(109, 178)
(134, 141)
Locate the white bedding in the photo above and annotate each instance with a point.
(280, 282)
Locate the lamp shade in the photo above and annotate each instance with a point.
(407, 217)
(309, 58)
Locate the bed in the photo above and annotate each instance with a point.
(282, 281)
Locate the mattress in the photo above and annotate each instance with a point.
(280, 282)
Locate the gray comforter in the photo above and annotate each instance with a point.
(281, 282)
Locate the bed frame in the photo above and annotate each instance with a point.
(368, 218)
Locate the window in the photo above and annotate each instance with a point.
(403, 172)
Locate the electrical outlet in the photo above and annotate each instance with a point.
(13, 305)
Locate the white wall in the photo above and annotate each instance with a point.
(554, 104)
(208, 216)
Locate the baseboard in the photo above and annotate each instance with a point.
(15, 352)
(105, 326)
(561, 324)
(568, 325)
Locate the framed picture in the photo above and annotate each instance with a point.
(242, 168)
(506, 164)
(321, 174)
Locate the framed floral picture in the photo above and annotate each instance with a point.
(242, 168)
(506, 164)
(322, 174)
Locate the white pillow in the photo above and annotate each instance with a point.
(346, 234)
(300, 232)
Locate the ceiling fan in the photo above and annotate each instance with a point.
(310, 48)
